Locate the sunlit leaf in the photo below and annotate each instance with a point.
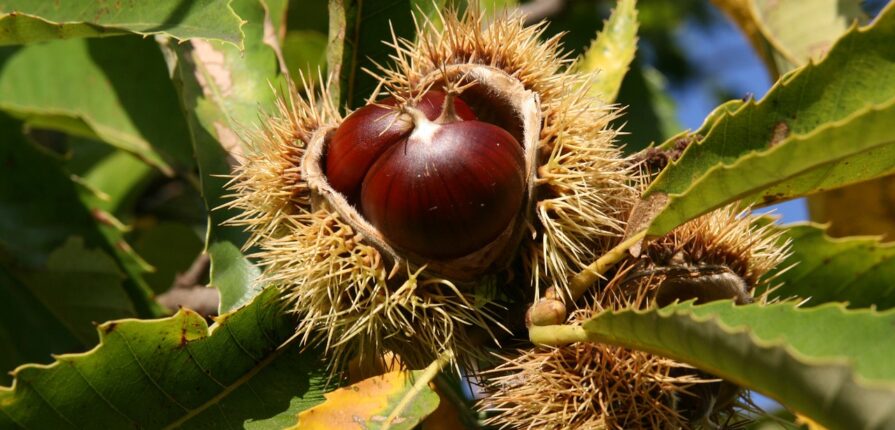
(174, 372)
(26, 21)
(768, 151)
(368, 404)
(223, 91)
(800, 31)
(115, 90)
(612, 52)
(821, 269)
(826, 363)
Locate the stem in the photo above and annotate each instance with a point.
(589, 276)
(557, 335)
(421, 383)
(448, 110)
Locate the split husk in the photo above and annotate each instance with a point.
(361, 296)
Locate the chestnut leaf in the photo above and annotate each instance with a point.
(612, 52)
(222, 89)
(789, 144)
(826, 363)
(28, 21)
(857, 270)
(358, 32)
(169, 373)
(61, 268)
(115, 90)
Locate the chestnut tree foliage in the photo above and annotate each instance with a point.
(120, 122)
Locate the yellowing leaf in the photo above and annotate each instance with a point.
(801, 31)
(368, 404)
(786, 34)
(612, 52)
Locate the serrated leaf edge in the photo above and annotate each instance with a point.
(685, 309)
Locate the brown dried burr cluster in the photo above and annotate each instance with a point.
(427, 220)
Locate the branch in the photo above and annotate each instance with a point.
(189, 292)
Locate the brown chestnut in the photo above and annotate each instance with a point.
(368, 132)
(450, 188)
(432, 180)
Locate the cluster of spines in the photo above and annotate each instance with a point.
(267, 186)
(581, 385)
(725, 237)
(585, 184)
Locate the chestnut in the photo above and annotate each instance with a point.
(368, 132)
(440, 189)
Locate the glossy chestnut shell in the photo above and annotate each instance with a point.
(496, 98)
(441, 189)
(368, 132)
(447, 190)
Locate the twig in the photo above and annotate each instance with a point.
(557, 335)
(538, 10)
(189, 292)
(592, 273)
(421, 383)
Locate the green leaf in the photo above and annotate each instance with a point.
(612, 52)
(115, 181)
(223, 91)
(42, 210)
(115, 90)
(170, 248)
(799, 31)
(62, 300)
(28, 331)
(827, 363)
(358, 30)
(305, 52)
(820, 127)
(713, 117)
(28, 21)
(46, 232)
(821, 269)
(368, 403)
(80, 286)
(174, 372)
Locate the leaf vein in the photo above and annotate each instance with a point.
(146, 373)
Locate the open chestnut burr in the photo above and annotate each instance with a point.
(428, 181)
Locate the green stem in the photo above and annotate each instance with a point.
(592, 273)
(421, 383)
(557, 335)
